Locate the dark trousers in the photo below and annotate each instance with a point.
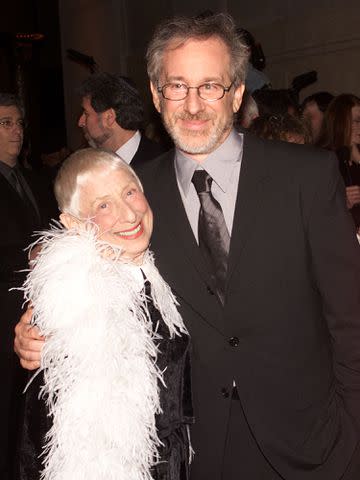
(353, 470)
(12, 378)
(250, 463)
(243, 459)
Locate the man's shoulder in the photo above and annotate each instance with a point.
(147, 150)
(287, 158)
(160, 165)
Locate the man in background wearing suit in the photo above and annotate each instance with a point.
(22, 200)
(112, 117)
(256, 242)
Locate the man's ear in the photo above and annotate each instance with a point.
(109, 117)
(238, 95)
(155, 96)
(69, 221)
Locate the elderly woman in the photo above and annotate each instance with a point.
(115, 398)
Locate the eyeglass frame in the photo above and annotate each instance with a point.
(225, 90)
(9, 124)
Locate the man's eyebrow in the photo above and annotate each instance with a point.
(216, 79)
(173, 78)
(9, 117)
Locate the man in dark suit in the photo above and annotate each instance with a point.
(276, 344)
(264, 261)
(22, 199)
(112, 117)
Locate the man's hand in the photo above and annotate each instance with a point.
(352, 195)
(28, 343)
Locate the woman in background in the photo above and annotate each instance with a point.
(341, 133)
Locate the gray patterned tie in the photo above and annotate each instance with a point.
(214, 238)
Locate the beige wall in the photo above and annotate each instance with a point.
(326, 40)
(95, 28)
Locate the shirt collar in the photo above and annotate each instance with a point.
(217, 164)
(6, 170)
(128, 150)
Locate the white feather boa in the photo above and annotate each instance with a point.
(99, 358)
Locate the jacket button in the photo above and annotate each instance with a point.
(210, 291)
(225, 392)
(234, 341)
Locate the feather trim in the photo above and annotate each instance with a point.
(99, 358)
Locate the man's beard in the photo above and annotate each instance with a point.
(89, 140)
(97, 142)
(189, 141)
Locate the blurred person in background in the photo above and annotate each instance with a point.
(275, 102)
(247, 113)
(341, 133)
(113, 116)
(26, 204)
(281, 127)
(313, 110)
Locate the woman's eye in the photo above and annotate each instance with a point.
(102, 206)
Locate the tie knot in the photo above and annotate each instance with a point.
(202, 181)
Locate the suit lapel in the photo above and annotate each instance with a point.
(173, 237)
(12, 198)
(253, 175)
(176, 251)
(146, 152)
(176, 221)
(140, 155)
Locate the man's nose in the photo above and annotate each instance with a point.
(17, 128)
(193, 103)
(81, 121)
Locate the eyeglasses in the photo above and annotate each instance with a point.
(8, 124)
(207, 91)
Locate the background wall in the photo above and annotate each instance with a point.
(325, 39)
(296, 37)
(33, 69)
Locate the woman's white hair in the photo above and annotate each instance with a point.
(76, 168)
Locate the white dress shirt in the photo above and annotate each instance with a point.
(128, 150)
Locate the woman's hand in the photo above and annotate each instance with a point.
(352, 196)
(28, 342)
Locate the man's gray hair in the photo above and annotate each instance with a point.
(11, 100)
(179, 30)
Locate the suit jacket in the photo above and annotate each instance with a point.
(18, 225)
(16, 234)
(289, 332)
(148, 150)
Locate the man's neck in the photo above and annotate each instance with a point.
(119, 139)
